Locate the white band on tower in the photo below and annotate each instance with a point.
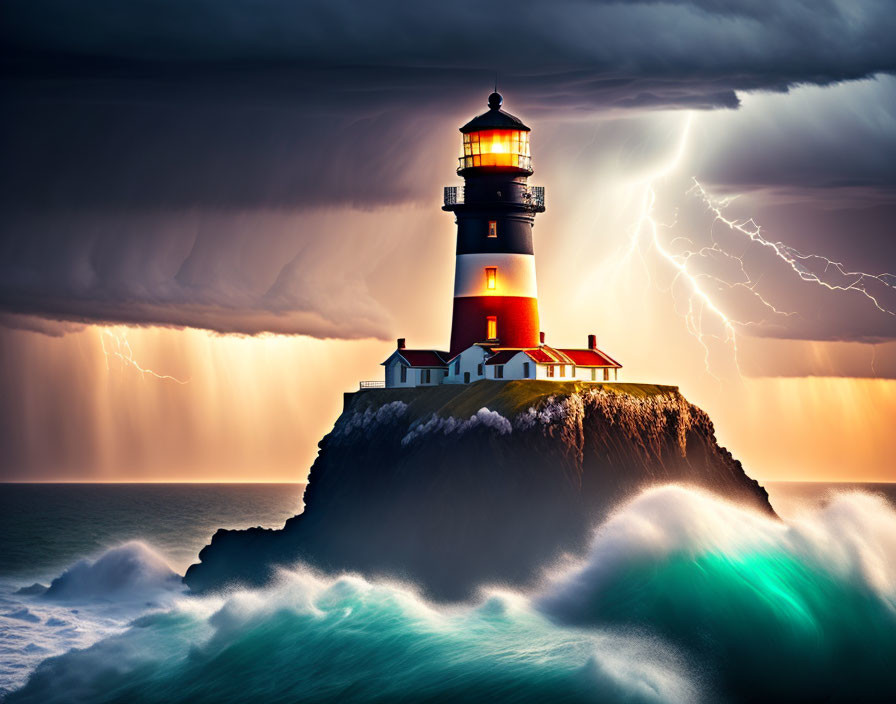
(514, 275)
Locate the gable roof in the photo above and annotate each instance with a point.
(547, 355)
(575, 357)
(502, 356)
(590, 358)
(421, 358)
(483, 347)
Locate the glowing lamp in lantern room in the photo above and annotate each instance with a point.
(495, 140)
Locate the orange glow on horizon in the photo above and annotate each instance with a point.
(256, 407)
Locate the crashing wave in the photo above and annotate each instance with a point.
(682, 598)
(132, 570)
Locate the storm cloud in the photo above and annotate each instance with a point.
(216, 165)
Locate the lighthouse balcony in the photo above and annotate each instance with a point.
(532, 196)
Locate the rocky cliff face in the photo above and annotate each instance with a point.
(455, 486)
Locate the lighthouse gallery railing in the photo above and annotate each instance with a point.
(533, 195)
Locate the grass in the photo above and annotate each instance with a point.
(506, 397)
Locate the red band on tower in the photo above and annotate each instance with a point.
(517, 321)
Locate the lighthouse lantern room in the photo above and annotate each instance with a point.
(495, 325)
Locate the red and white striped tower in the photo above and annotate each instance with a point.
(495, 295)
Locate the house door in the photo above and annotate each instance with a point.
(466, 377)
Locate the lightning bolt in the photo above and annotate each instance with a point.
(796, 260)
(120, 347)
(646, 236)
(647, 227)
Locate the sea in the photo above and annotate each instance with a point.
(682, 597)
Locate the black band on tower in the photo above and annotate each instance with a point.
(513, 233)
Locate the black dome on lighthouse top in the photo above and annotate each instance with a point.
(495, 118)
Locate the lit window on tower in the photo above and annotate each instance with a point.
(491, 277)
(492, 228)
(491, 328)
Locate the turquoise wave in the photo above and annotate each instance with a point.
(683, 598)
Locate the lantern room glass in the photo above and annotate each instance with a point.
(496, 148)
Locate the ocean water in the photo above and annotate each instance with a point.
(682, 597)
(45, 527)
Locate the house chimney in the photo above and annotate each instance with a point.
(400, 344)
(541, 337)
(592, 342)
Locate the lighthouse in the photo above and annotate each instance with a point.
(495, 294)
(495, 328)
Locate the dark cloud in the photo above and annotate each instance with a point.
(563, 51)
(815, 140)
(240, 272)
(149, 146)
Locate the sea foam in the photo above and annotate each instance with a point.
(683, 597)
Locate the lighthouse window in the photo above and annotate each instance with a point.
(491, 277)
(491, 328)
(492, 228)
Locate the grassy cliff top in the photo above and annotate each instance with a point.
(505, 397)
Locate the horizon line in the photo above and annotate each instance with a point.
(248, 482)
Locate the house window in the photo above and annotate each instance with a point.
(491, 277)
(573, 373)
(562, 370)
(479, 370)
(550, 369)
(606, 374)
(404, 374)
(425, 376)
(499, 371)
(525, 370)
(593, 374)
(457, 366)
(491, 328)
(492, 228)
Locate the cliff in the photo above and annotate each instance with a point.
(455, 486)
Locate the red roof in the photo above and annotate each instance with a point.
(552, 355)
(539, 355)
(547, 355)
(590, 358)
(424, 358)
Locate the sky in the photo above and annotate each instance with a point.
(215, 218)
